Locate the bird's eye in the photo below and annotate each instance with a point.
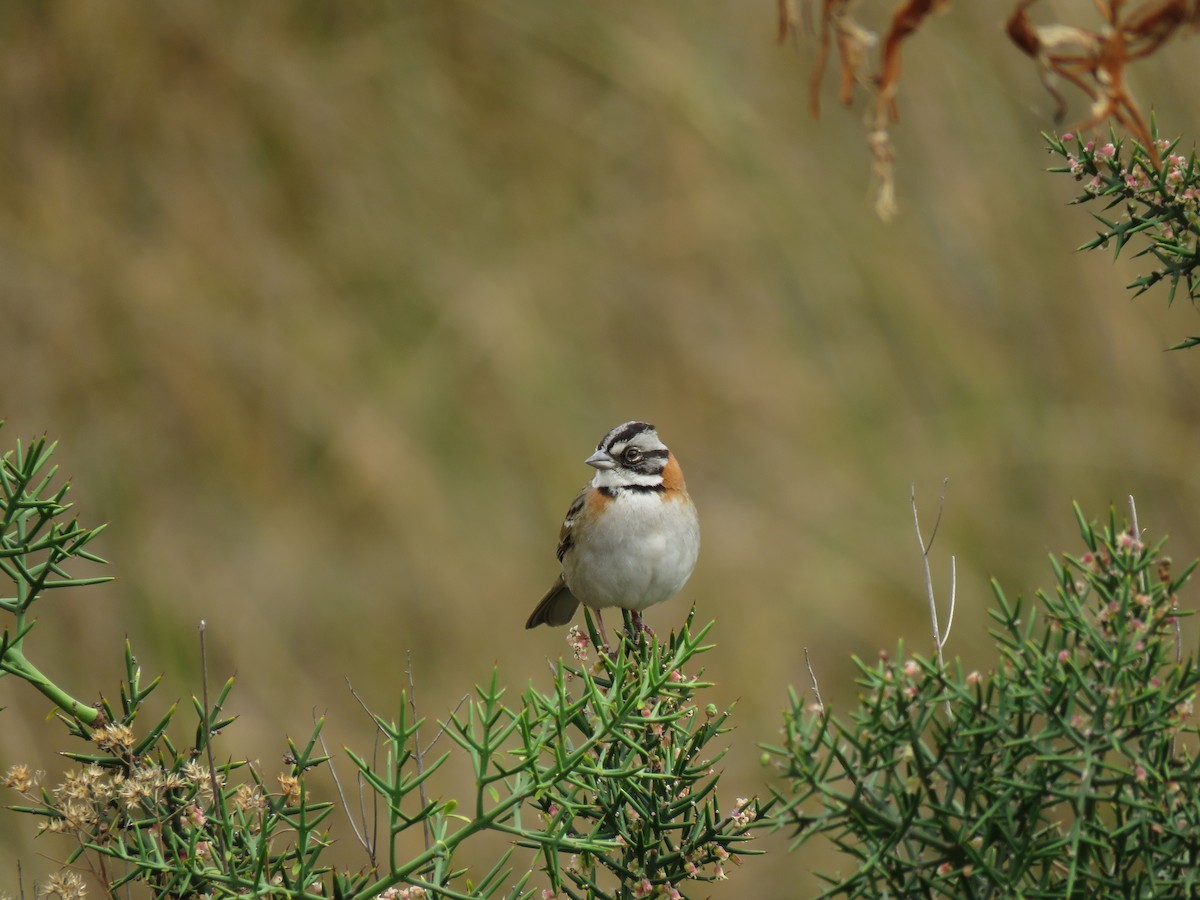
(632, 455)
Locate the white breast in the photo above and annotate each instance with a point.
(639, 553)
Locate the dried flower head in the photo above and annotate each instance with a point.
(197, 774)
(249, 798)
(65, 884)
(289, 786)
(20, 778)
(115, 739)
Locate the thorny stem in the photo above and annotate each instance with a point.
(208, 735)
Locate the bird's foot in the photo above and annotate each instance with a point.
(603, 646)
(639, 625)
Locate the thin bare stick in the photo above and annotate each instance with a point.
(441, 729)
(938, 521)
(418, 753)
(212, 766)
(374, 839)
(441, 726)
(937, 638)
(813, 675)
(359, 834)
(938, 641)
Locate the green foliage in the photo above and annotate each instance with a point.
(36, 541)
(607, 778)
(641, 803)
(1159, 200)
(1068, 771)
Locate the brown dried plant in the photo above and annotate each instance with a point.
(1094, 60)
(854, 43)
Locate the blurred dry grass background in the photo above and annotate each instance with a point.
(326, 303)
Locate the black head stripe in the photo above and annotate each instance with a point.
(623, 433)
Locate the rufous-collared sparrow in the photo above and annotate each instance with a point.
(631, 537)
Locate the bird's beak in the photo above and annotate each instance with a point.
(601, 460)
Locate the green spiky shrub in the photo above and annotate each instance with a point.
(1151, 196)
(604, 783)
(1068, 770)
